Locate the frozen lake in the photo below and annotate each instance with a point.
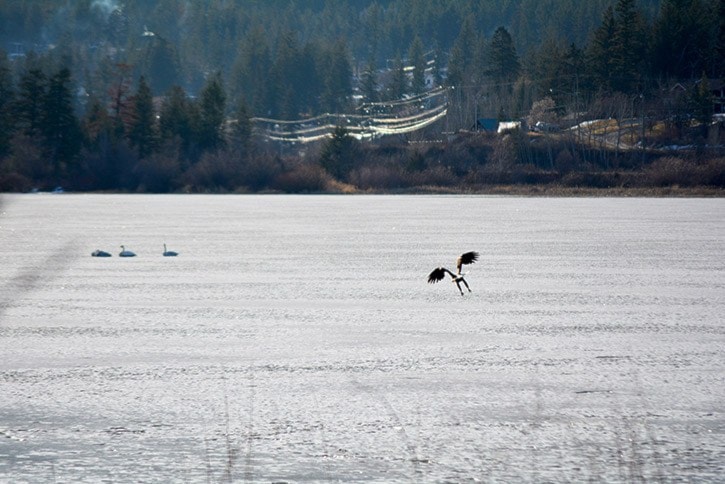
(295, 339)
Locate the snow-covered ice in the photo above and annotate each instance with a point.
(295, 339)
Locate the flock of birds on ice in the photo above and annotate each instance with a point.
(438, 274)
(127, 253)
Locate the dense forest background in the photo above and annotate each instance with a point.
(166, 95)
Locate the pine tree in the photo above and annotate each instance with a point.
(719, 54)
(60, 129)
(178, 124)
(178, 117)
(437, 61)
(252, 72)
(574, 64)
(682, 38)
(369, 82)
(701, 103)
(339, 153)
(372, 30)
(548, 66)
(600, 52)
(337, 79)
(117, 27)
(242, 132)
(417, 61)
(462, 54)
(7, 97)
(212, 107)
(477, 71)
(162, 65)
(143, 130)
(308, 79)
(28, 108)
(503, 62)
(629, 44)
(398, 84)
(98, 156)
(96, 125)
(284, 77)
(120, 92)
(456, 67)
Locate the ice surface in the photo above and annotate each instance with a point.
(295, 339)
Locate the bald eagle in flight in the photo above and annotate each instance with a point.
(439, 273)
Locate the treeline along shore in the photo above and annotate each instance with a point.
(615, 96)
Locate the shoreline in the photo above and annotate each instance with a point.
(498, 190)
(561, 191)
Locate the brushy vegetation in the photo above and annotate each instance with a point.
(480, 163)
(469, 162)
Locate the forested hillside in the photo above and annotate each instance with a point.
(178, 42)
(170, 94)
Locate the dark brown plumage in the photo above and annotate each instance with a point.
(440, 272)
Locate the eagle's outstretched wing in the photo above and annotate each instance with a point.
(467, 258)
(438, 274)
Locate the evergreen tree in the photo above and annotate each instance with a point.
(142, 132)
(162, 66)
(574, 65)
(371, 30)
(63, 55)
(548, 66)
(61, 132)
(100, 143)
(456, 67)
(398, 84)
(701, 104)
(682, 38)
(212, 107)
(629, 44)
(178, 122)
(600, 53)
(285, 77)
(120, 93)
(308, 79)
(242, 132)
(462, 54)
(437, 62)
(719, 54)
(477, 71)
(7, 97)
(503, 62)
(337, 79)
(96, 125)
(417, 61)
(117, 27)
(28, 109)
(252, 72)
(338, 154)
(369, 82)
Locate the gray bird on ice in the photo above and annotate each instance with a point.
(169, 253)
(439, 273)
(126, 253)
